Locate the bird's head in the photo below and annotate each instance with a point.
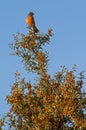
(31, 13)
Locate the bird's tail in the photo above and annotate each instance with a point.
(35, 29)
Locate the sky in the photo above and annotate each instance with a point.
(67, 18)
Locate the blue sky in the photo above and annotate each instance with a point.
(68, 44)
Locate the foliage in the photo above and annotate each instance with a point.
(56, 103)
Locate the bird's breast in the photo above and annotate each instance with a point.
(29, 20)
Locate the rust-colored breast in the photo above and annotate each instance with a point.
(29, 20)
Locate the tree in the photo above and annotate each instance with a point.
(56, 103)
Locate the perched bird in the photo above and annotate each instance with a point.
(31, 22)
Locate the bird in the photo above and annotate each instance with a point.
(31, 22)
